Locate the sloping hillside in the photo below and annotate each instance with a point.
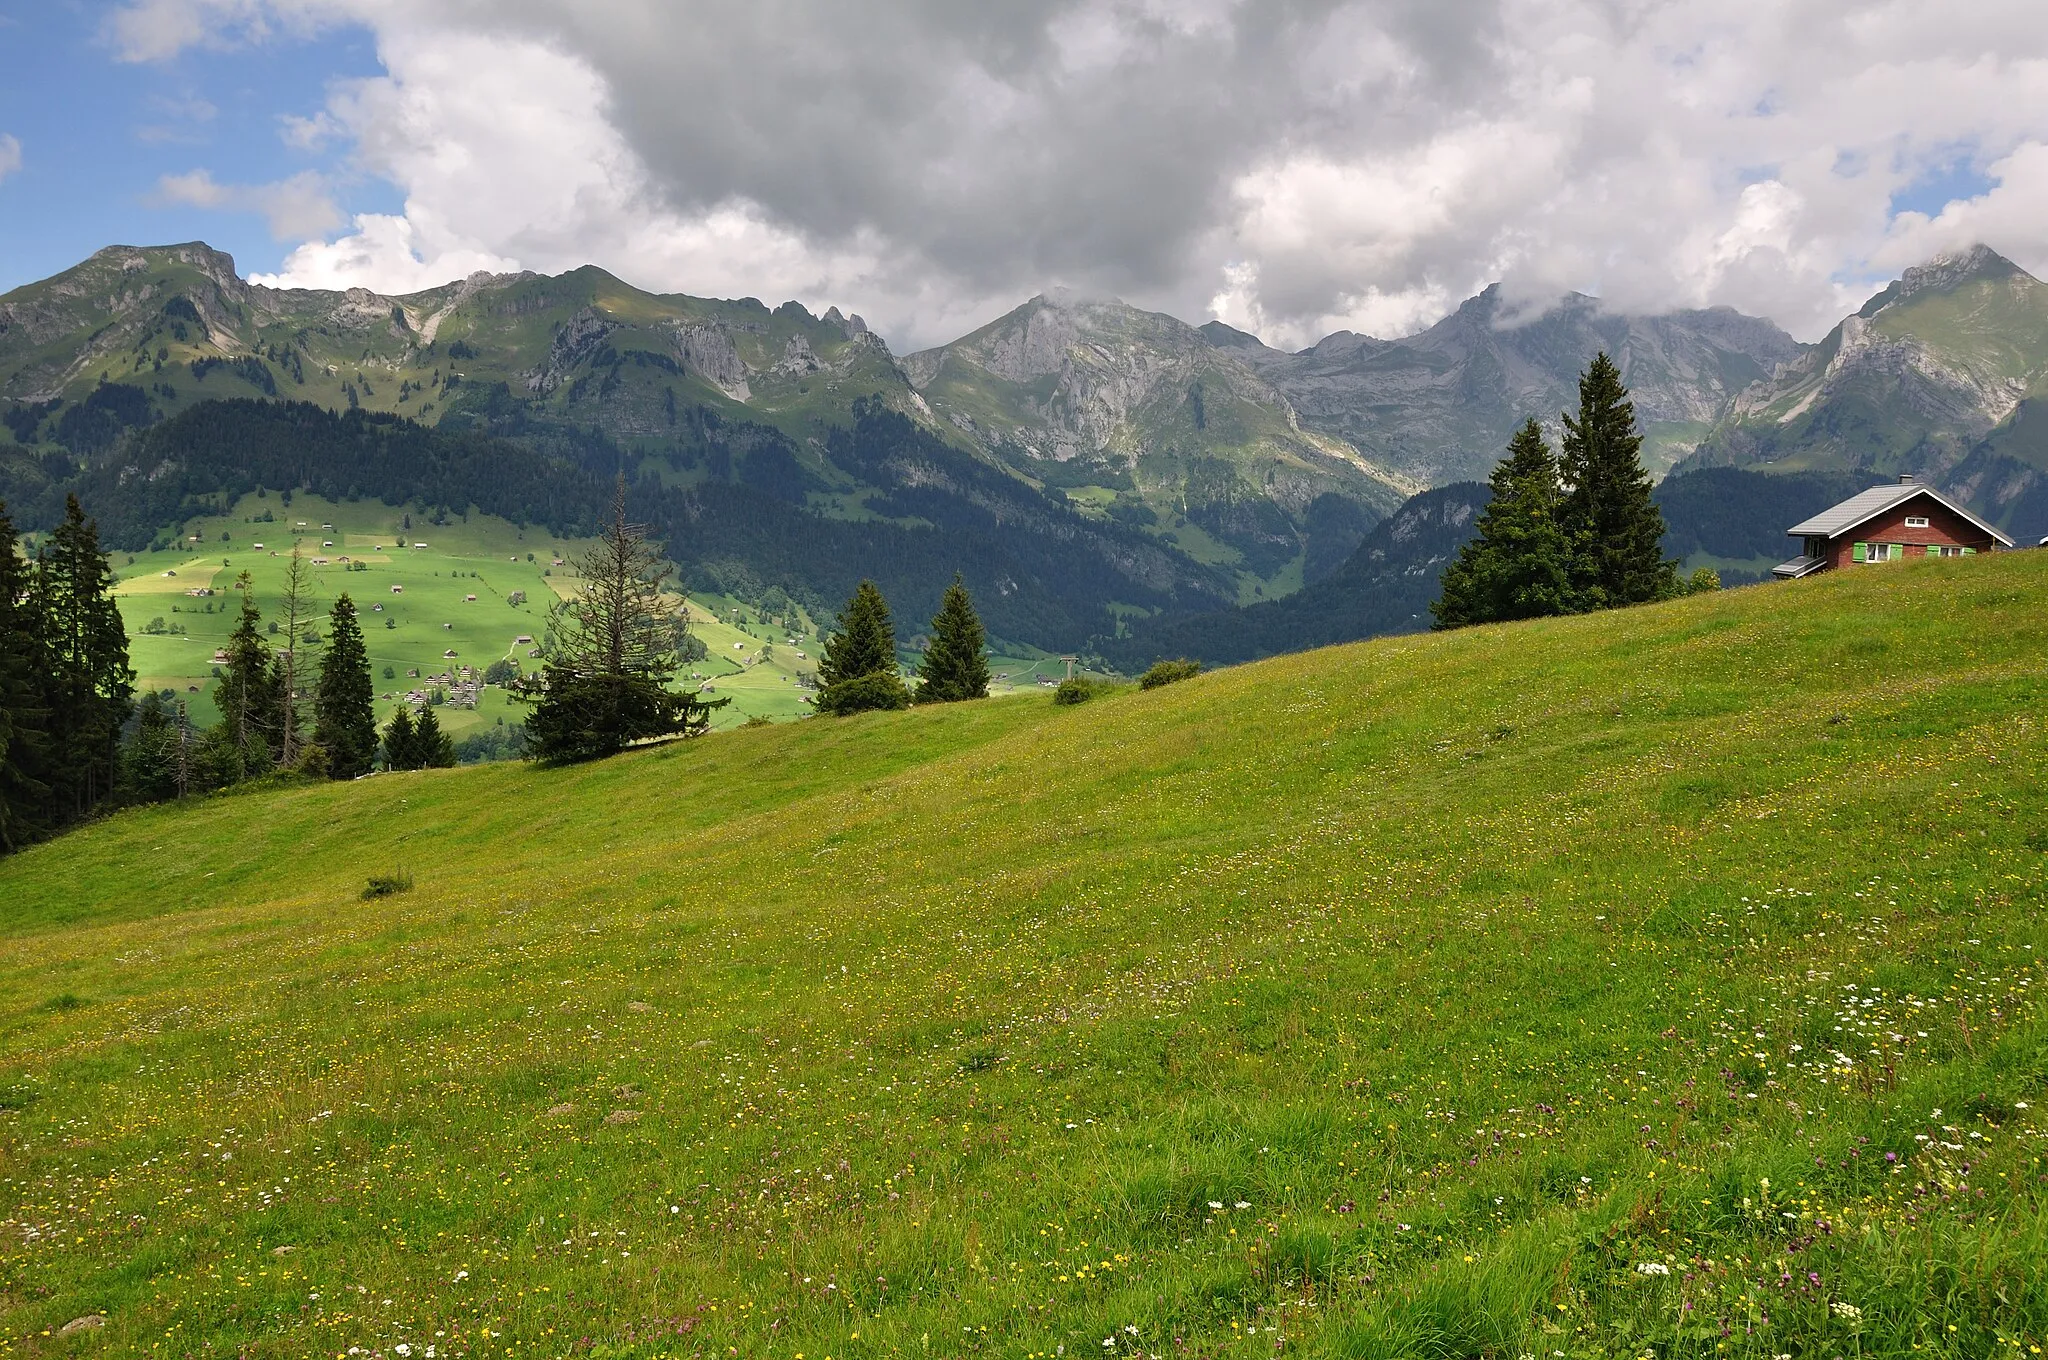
(1659, 980)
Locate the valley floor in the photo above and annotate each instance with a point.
(1663, 982)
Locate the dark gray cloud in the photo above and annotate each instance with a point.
(1293, 165)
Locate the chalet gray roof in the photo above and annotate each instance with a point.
(1867, 505)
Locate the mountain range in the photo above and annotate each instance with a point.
(1130, 468)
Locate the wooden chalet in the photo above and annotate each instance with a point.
(1888, 523)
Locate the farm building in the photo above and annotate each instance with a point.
(469, 599)
(1888, 523)
(398, 590)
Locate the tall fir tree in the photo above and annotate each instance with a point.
(955, 666)
(151, 765)
(89, 686)
(606, 680)
(401, 741)
(344, 721)
(248, 690)
(1518, 565)
(858, 671)
(1615, 529)
(24, 797)
(297, 607)
(432, 748)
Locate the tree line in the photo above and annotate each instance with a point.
(74, 741)
(608, 680)
(1571, 531)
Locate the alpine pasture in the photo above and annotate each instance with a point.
(1658, 982)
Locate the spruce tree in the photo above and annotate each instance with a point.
(297, 605)
(432, 748)
(151, 767)
(344, 723)
(88, 684)
(401, 743)
(1615, 529)
(605, 681)
(858, 671)
(1517, 565)
(23, 794)
(954, 667)
(247, 693)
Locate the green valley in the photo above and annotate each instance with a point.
(439, 601)
(1666, 981)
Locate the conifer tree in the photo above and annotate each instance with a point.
(23, 794)
(344, 722)
(151, 772)
(247, 693)
(1517, 566)
(858, 671)
(401, 741)
(432, 748)
(954, 667)
(297, 605)
(88, 684)
(1615, 529)
(605, 681)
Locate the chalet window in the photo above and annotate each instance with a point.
(1916, 521)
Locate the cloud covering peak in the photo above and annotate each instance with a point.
(1291, 166)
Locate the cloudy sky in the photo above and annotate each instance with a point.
(1292, 166)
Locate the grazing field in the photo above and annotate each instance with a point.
(413, 587)
(1665, 982)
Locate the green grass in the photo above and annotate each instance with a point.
(1407, 998)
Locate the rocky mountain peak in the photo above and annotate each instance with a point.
(1942, 273)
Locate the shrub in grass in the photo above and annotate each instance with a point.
(385, 885)
(1077, 689)
(64, 1001)
(1166, 672)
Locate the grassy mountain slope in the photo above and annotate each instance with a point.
(1441, 405)
(697, 391)
(1171, 430)
(1431, 996)
(1935, 374)
(584, 347)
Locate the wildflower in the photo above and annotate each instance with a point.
(1215, 1204)
(1847, 1310)
(1653, 1268)
(1244, 1204)
(402, 1348)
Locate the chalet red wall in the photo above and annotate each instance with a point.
(1945, 528)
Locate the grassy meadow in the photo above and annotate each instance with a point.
(1660, 983)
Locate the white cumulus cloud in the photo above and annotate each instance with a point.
(1294, 166)
(10, 154)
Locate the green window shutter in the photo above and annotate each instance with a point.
(1859, 552)
(1969, 552)
(1898, 552)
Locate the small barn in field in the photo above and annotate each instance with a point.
(1890, 523)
